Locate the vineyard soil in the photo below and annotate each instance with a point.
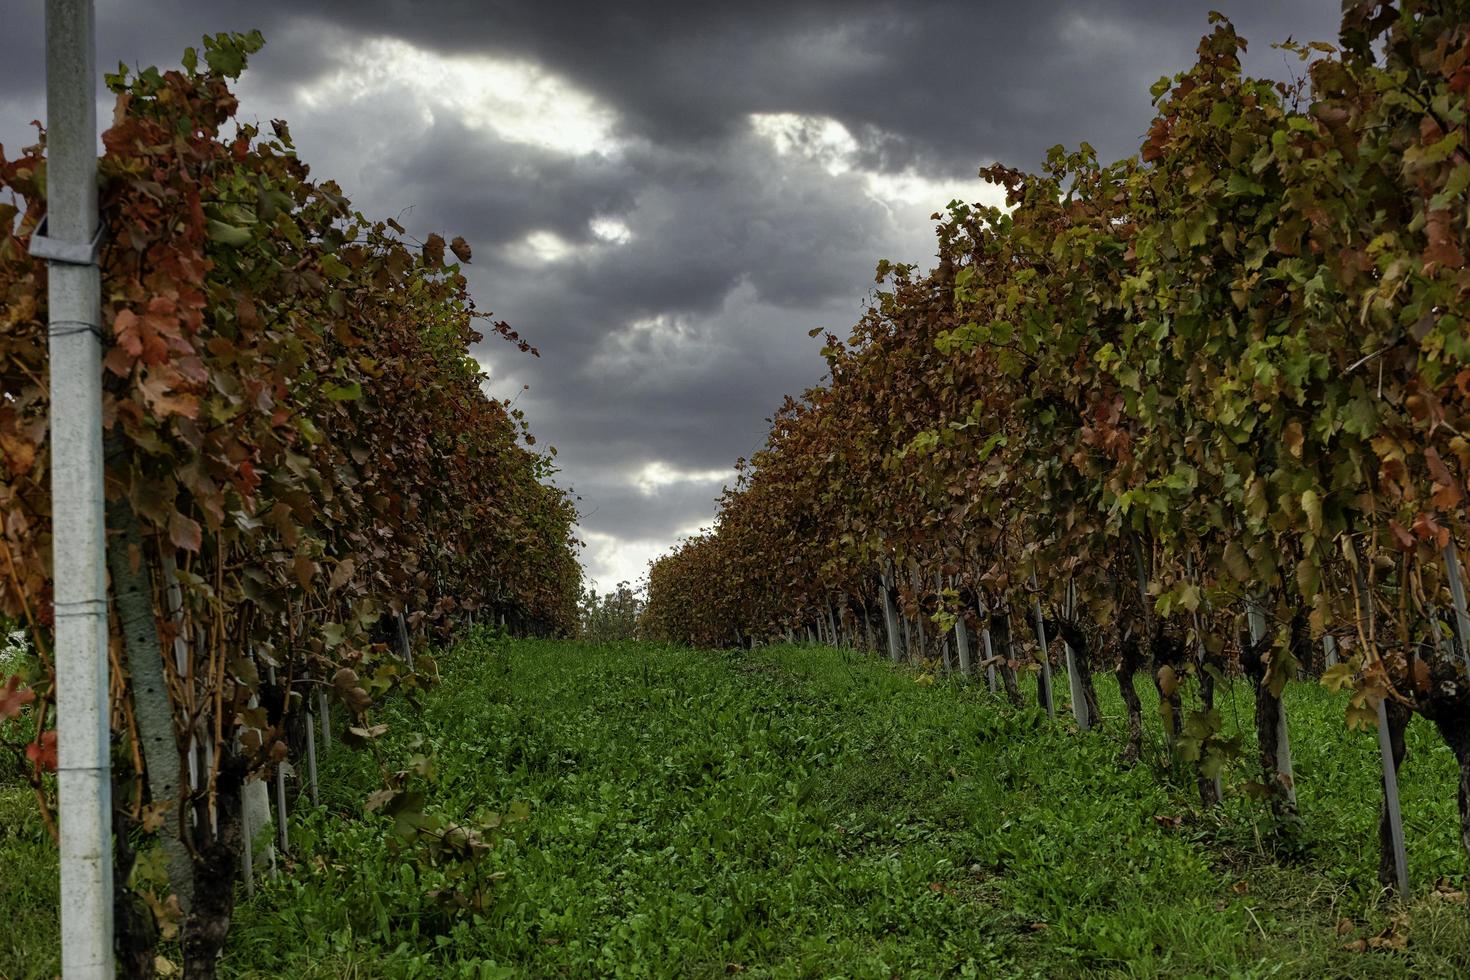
(802, 811)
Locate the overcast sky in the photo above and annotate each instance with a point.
(664, 197)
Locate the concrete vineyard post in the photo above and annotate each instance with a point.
(79, 539)
(962, 646)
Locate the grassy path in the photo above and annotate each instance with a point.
(799, 812)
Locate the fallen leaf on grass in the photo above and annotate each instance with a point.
(1241, 887)
(1394, 936)
(1445, 892)
(1344, 926)
(1168, 821)
(1039, 927)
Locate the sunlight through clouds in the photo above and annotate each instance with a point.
(658, 474)
(906, 195)
(519, 101)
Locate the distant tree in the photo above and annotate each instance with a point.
(611, 617)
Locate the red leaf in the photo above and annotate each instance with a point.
(13, 697)
(1442, 248)
(1406, 542)
(125, 332)
(185, 532)
(43, 751)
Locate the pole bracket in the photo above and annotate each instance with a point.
(66, 253)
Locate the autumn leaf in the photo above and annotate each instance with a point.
(305, 570)
(342, 574)
(461, 249)
(42, 752)
(20, 454)
(185, 532)
(1405, 541)
(14, 696)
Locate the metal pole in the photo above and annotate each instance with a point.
(989, 655)
(247, 848)
(1391, 801)
(1457, 595)
(78, 538)
(326, 713)
(982, 606)
(407, 648)
(890, 617)
(311, 757)
(283, 835)
(1045, 679)
(1074, 679)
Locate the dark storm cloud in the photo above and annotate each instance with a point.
(673, 347)
(958, 79)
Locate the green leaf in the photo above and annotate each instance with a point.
(342, 393)
(1236, 563)
(1453, 187)
(228, 234)
(1312, 507)
(1239, 185)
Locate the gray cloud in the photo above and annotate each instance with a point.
(673, 347)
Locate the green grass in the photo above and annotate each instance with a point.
(29, 891)
(800, 812)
